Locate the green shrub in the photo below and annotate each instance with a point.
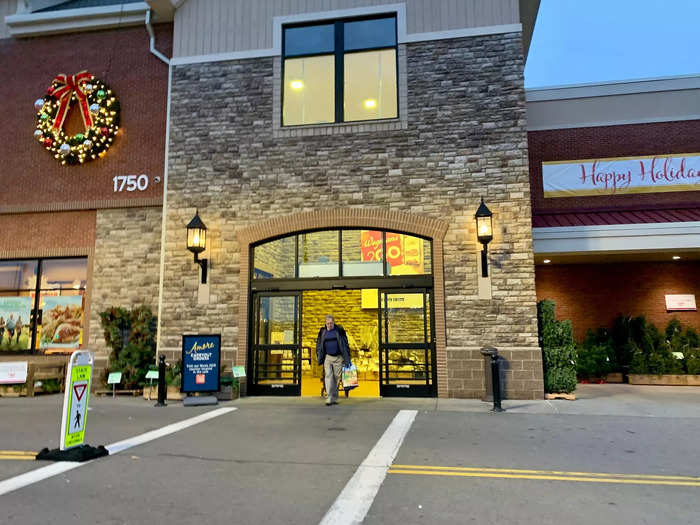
(131, 336)
(173, 374)
(559, 380)
(687, 343)
(558, 350)
(595, 359)
(652, 354)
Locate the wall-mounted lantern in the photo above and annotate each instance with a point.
(197, 242)
(484, 232)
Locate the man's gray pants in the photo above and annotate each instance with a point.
(333, 370)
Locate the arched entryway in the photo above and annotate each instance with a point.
(337, 255)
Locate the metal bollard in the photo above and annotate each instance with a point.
(496, 381)
(161, 381)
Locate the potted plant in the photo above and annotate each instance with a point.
(173, 381)
(229, 386)
(559, 353)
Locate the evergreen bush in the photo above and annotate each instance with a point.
(131, 336)
(558, 349)
(596, 356)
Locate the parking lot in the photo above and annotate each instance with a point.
(618, 452)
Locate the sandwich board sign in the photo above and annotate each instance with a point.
(75, 400)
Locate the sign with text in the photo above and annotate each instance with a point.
(13, 372)
(75, 400)
(651, 174)
(681, 303)
(201, 362)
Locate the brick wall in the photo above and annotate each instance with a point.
(584, 293)
(464, 138)
(31, 178)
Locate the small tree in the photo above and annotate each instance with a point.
(558, 348)
(131, 336)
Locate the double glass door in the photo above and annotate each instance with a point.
(406, 343)
(275, 366)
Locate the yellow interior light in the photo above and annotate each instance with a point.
(370, 103)
(296, 84)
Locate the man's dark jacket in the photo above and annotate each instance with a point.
(342, 343)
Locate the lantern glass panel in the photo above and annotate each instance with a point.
(484, 228)
(196, 239)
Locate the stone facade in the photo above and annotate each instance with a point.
(126, 267)
(464, 139)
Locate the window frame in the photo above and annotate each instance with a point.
(339, 53)
(340, 275)
(36, 312)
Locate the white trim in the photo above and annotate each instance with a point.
(461, 33)
(74, 20)
(219, 57)
(604, 89)
(617, 238)
(613, 123)
(164, 210)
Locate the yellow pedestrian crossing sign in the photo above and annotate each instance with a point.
(75, 400)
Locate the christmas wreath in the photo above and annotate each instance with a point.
(98, 107)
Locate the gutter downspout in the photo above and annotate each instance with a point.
(164, 208)
(152, 34)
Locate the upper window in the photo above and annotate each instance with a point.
(343, 71)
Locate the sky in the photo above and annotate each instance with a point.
(584, 41)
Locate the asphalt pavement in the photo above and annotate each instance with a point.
(619, 453)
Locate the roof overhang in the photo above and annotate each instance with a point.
(617, 238)
(76, 20)
(528, 17)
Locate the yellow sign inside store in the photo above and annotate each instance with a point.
(394, 300)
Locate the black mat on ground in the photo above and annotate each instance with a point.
(80, 453)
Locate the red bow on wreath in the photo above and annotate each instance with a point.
(67, 85)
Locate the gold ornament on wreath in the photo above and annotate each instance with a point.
(99, 109)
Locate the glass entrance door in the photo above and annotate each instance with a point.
(406, 343)
(276, 344)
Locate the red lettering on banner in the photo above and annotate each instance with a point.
(607, 180)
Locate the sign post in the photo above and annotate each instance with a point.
(114, 379)
(74, 418)
(75, 400)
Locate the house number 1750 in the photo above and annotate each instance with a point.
(130, 182)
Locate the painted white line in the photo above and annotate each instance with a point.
(59, 467)
(353, 503)
(119, 446)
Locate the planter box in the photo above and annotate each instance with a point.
(669, 380)
(227, 393)
(9, 391)
(615, 377)
(173, 393)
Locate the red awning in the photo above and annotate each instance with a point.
(553, 220)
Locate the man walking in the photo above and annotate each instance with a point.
(332, 351)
